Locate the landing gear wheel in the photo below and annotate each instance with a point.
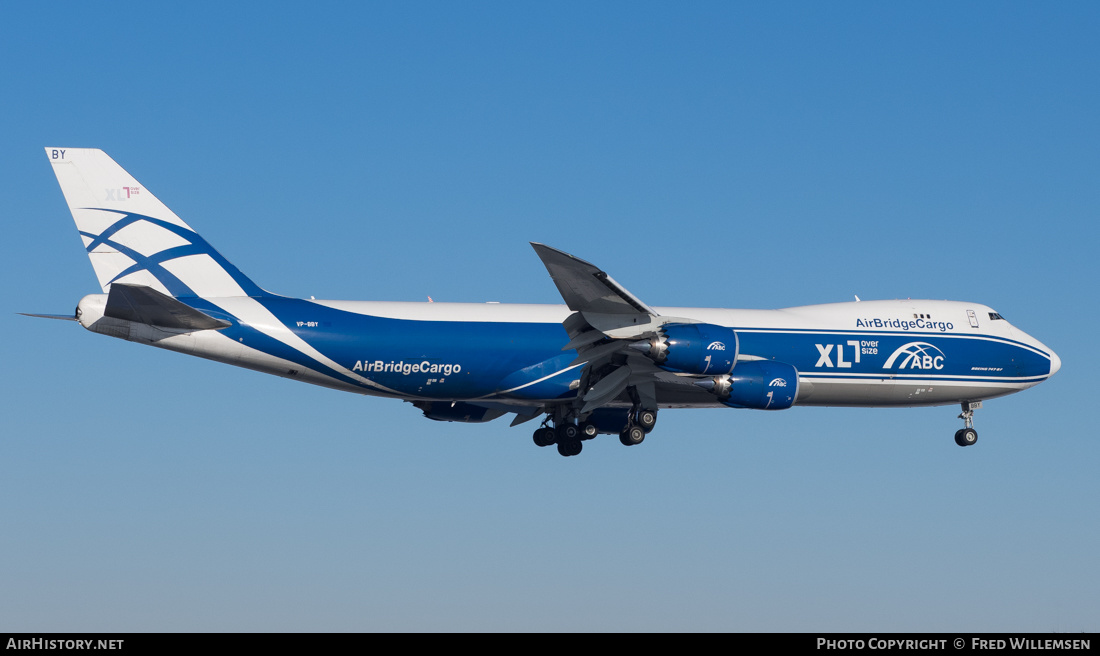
(588, 431)
(568, 432)
(544, 436)
(569, 448)
(966, 436)
(632, 435)
(646, 419)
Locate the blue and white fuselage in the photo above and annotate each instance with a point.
(603, 362)
(511, 353)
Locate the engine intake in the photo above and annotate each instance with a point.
(692, 348)
(759, 384)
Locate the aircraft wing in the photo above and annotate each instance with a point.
(585, 287)
(606, 321)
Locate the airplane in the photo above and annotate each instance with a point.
(603, 363)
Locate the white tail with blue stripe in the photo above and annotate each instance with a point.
(133, 238)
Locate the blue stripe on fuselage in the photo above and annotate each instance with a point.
(438, 359)
(465, 359)
(899, 354)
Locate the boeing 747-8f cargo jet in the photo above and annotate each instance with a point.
(605, 362)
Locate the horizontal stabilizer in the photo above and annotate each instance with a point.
(62, 317)
(146, 305)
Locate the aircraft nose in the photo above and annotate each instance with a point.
(1055, 363)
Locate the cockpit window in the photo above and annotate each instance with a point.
(995, 316)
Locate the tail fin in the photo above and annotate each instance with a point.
(135, 239)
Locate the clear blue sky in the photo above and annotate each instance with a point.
(714, 154)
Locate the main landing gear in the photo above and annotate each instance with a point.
(641, 422)
(568, 434)
(967, 435)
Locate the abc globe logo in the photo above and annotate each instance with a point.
(916, 355)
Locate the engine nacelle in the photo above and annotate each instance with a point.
(759, 384)
(692, 348)
(457, 411)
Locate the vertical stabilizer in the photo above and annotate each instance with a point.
(133, 238)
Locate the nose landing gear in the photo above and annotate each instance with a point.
(967, 435)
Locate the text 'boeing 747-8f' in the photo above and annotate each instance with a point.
(605, 362)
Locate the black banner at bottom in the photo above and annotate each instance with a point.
(823, 642)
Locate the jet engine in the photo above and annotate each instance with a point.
(692, 348)
(758, 384)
